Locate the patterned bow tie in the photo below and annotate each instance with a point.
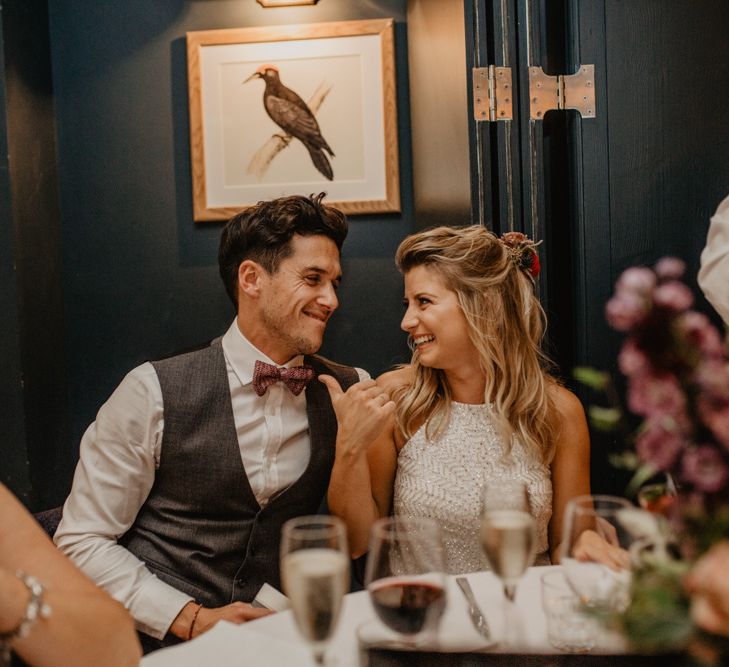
(295, 378)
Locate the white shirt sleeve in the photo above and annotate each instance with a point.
(714, 273)
(119, 454)
(363, 374)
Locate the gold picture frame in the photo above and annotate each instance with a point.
(345, 73)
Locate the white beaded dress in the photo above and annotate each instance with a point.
(443, 479)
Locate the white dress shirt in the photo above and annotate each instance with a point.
(122, 449)
(714, 273)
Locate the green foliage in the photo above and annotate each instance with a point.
(658, 619)
(597, 380)
(642, 474)
(604, 419)
(627, 460)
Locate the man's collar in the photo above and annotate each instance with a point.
(242, 355)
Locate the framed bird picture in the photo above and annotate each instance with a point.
(293, 109)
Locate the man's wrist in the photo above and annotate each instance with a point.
(184, 620)
(192, 622)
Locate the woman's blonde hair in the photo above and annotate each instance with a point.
(506, 323)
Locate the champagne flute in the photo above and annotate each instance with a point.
(508, 538)
(508, 531)
(404, 576)
(315, 576)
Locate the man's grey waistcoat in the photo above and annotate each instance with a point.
(201, 529)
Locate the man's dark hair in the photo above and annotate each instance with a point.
(263, 232)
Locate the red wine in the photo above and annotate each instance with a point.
(407, 606)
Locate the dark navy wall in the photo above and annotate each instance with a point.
(36, 457)
(140, 277)
(14, 468)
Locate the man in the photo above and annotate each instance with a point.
(196, 461)
(714, 273)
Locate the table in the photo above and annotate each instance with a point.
(274, 641)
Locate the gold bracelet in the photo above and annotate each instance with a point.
(34, 610)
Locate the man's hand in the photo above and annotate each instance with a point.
(362, 412)
(708, 585)
(236, 612)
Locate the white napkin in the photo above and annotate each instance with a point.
(271, 598)
(230, 644)
(375, 635)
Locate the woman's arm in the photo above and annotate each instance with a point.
(360, 490)
(85, 628)
(571, 464)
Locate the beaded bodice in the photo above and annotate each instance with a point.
(443, 479)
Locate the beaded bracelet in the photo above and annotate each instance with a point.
(34, 609)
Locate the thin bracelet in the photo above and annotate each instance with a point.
(35, 609)
(192, 623)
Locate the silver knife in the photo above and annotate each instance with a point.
(474, 611)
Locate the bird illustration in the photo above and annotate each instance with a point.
(292, 115)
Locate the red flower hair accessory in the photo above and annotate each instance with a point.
(523, 252)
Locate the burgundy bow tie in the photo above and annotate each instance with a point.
(295, 378)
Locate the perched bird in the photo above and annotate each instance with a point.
(292, 115)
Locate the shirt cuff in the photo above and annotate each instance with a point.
(155, 606)
(363, 374)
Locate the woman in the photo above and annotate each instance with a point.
(476, 403)
(50, 614)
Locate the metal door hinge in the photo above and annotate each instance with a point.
(566, 91)
(492, 93)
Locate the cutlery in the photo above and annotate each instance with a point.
(474, 611)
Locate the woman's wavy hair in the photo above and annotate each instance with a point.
(506, 324)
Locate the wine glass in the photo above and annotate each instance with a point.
(315, 575)
(508, 538)
(600, 535)
(659, 497)
(404, 576)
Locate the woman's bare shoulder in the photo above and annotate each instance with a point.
(570, 418)
(567, 404)
(395, 379)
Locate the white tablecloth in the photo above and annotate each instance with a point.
(274, 640)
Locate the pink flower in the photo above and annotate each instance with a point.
(625, 310)
(674, 296)
(702, 333)
(677, 370)
(658, 446)
(636, 280)
(656, 396)
(670, 268)
(705, 468)
(713, 377)
(631, 359)
(716, 416)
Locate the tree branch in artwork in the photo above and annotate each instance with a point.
(264, 156)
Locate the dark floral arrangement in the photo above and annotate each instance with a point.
(676, 369)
